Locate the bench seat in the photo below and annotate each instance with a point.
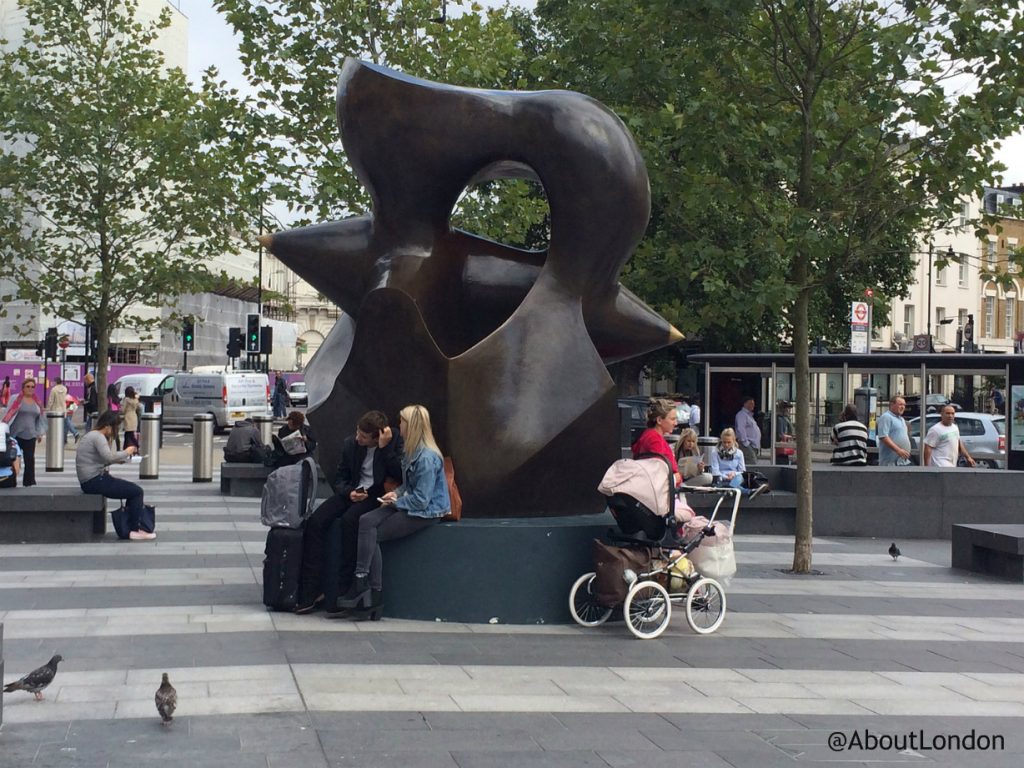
(42, 515)
(247, 480)
(995, 549)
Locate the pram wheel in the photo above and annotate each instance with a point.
(705, 606)
(648, 609)
(583, 605)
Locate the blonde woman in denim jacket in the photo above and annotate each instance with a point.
(420, 500)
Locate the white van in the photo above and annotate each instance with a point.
(228, 397)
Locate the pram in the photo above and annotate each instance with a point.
(641, 498)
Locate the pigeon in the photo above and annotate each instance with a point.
(894, 551)
(36, 680)
(166, 700)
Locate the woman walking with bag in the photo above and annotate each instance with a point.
(27, 425)
(420, 500)
(130, 408)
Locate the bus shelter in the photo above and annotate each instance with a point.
(990, 384)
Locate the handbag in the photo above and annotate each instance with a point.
(123, 526)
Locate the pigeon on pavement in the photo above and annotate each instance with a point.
(36, 680)
(166, 700)
(894, 551)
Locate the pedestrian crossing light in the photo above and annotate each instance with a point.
(188, 335)
(252, 333)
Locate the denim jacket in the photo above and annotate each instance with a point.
(424, 490)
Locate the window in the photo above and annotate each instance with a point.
(990, 315)
(969, 427)
(990, 253)
(965, 214)
(940, 329)
(940, 276)
(908, 321)
(962, 274)
(961, 317)
(1011, 317)
(1011, 257)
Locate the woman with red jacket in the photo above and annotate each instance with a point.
(661, 421)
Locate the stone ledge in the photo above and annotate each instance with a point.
(247, 480)
(994, 549)
(43, 515)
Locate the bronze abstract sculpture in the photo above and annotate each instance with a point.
(506, 347)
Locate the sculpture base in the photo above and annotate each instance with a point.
(503, 571)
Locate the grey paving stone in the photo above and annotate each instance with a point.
(590, 721)
(535, 723)
(707, 740)
(364, 722)
(414, 740)
(299, 759)
(104, 597)
(425, 759)
(112, 562)
(693, 759)
(626, 739)
(477, 759)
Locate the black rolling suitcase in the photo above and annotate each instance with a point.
(281, 568)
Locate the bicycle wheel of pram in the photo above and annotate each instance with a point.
(705, 606)
(583, 605)
(648, 609)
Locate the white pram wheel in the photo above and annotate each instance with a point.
(648, 609)
(705, 606)
(583, 606)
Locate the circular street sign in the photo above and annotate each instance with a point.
(861, 312)
(64, 342)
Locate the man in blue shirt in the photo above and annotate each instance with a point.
(893, 437)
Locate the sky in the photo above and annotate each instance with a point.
(211, 42)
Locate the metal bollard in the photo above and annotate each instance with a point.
(202, 448)
(707, 445)
(265, 424)
(55, 442)
(149, 446)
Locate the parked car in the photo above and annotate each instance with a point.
(984, 435)
(933, 404)
(297, 393)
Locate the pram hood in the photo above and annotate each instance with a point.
(647, 480)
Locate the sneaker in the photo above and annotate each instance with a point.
(758, 491)
(141, 536)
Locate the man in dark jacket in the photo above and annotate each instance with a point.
(90, 401)
(245, 444)
(368, 458)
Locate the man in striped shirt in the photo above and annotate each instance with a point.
(850, 438)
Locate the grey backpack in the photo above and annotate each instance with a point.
(289, 494)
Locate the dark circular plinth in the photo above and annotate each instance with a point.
(505, 571)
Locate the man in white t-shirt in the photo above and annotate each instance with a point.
(942, 444)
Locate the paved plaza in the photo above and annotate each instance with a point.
(870, 652)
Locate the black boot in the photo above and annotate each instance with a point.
(358, 593)
(373, 611)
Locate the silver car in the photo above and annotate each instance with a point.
(984, 435)
(297, 394)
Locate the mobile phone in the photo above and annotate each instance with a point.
(361, 489)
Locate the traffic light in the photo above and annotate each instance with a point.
(252, 333)
(267, 339)
(188, 334)
(50, 344)
(234, 342)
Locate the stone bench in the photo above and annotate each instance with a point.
(50, 515)
(994, 549)
(247, 480)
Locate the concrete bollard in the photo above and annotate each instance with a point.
(55, 442)
(265, 424)
(149, 446)
(202, 448)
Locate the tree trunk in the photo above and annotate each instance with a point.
(102, 354)
(804, 487)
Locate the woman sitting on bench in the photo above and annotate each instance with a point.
(91, 462)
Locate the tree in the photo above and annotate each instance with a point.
(120, 181)
(293, 50)
(828, 132)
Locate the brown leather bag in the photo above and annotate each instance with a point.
(453, 492)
